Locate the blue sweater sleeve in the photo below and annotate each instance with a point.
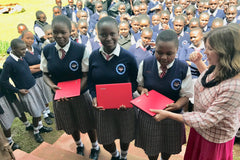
(133, 74)
(4, 78)
(90, 83)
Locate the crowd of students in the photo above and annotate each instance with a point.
(153, 44)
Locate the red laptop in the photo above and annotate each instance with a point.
(154, 100)
(68, 89)
(111, 96)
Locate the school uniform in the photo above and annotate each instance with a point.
(93, 44)
(74, 114)
(38, 29)
(70, 11)
(217, 13)
(206, 29)
(33, 58)
(137, 36)
(120, 68)
(183, 39)
(168, 135)
(127, 42)
(235, 20)
(185, 53)
(18, 70)
(140, 52)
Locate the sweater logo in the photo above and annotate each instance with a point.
(184, 42)
(176, 84)
(121, 69)
(73, 65)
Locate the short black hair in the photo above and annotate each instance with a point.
(38, 13)
(62, 19)
(168, 35)
(15, 42)
(111, 21)
(25, 32)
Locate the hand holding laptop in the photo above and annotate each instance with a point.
(94, 103)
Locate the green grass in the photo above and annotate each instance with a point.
(25, 138)
(3, 47)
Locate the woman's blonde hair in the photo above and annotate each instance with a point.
(226, 41)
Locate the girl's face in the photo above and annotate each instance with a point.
(196, 37)
(74, 32)
(122, 9)
(99, 7)
(61, 34)
(19, 50)
(28, 39)
(155, 20)
(203, 20)
(178, 26)
(124, 29)
(135, 26)
(211, 53)
(49, 35)
(108, 35)
(178, 11)
(146, 38)
(165, 52)
(165, 18)
(83, 28)
(42, 18)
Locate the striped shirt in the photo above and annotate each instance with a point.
(216, 110)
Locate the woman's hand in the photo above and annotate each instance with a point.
(23, 91)
(160, 114)
(195, 57)
(94, 103)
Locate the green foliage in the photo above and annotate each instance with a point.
(3, 47)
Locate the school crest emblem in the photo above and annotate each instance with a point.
(176, 84)
(121, 69)
(73, 65)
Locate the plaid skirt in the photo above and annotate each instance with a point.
(166, 136)
(33, 102)
(47, 95)
(75, 114)
(11, 110)
(115, 124)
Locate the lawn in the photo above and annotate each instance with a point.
(8, 31)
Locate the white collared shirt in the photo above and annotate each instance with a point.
(214, 13)
(115, 52)
(84, 63)
(187, 84)
(16, 58)
(197, 48)
(30, 51)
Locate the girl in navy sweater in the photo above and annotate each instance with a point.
(172, 78)
(16, 68)
(63, 61)
(112, 64)
(32, 57)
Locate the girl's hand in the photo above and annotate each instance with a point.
(62, 99)
(172, 107)
(94, 103)
(144, 91)
(160, 114)
(54, 88)
(23, 91)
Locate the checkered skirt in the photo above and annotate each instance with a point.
(154, 137)
(75, 114)
(47, 95)
(115, 124)
(11, 110)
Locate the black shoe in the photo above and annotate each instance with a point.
(115, 158)
(14, 146)
(38, 138)
(29, 128)
(80, 150)
(48, 120)
(45, 129)
(94, 154)
(123, 158)
(237, 140)
(51, 115)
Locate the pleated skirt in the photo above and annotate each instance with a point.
(115, 124)
(11, 110)
(33, 102)
(75, 114)
(166, 136)
(47, 95)
(199, 148)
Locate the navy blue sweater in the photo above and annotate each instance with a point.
(19, 72)
(69, 68)
(33, 59)
(120, 69)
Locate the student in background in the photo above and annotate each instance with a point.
(39, 23)
(63, 61)
(172, 78)
(203, 22)
(56, 11)
(107, 65)
(126, 39)
(217, 22)
(49, 35)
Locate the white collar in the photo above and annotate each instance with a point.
(115, 52)
(65, 48)
(16, 58)
(200, 47)
(214, 13)
(168, 66)
(32, 49)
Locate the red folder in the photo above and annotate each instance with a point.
(111, 96)
(154, 100)
(68, 89)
